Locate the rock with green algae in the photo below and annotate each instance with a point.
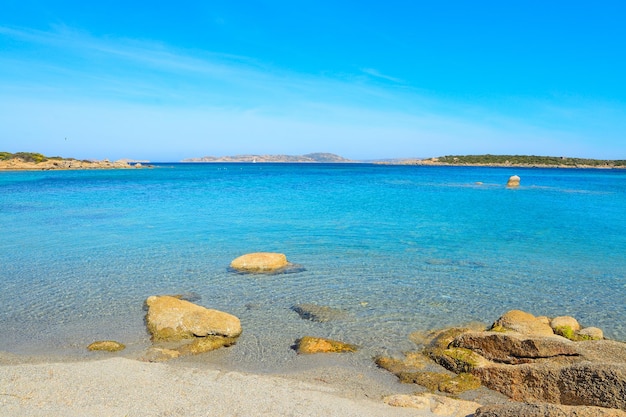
(412, 362)
(107, 346)
(206, 344)
(310, 344)
(460, 383)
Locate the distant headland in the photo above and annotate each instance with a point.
(29, 161)
(529, 161)
(452, 160)
(310, 157)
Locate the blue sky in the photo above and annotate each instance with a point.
(366, 80)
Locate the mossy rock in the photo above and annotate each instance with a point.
(456, 359)
(565, 331)
(106, 346)
(442, 338)
(412, 362)
(460, 383)
(206, 344)
(576, 336)
(429, 380)
(310, 344)
(498, 328)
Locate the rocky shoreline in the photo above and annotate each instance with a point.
(432, 162)
(18, 164)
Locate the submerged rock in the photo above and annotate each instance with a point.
(320, 314)
(310, 344)
(156, 354)
(170, 318)
(260, 262)
(206, 344)
(106, 345)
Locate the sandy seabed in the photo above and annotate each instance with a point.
(130, 388)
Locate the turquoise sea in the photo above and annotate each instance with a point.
(399, 248)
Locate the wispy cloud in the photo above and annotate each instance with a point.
(375, 73)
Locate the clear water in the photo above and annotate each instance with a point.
(399, 248)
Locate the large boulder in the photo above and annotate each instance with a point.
(522, 358)
(587, 383)
(522, 322)
(260, 262)
(170, 318)
(514, 348)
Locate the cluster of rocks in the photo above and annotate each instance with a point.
(548, 367)
(179, 327)
(552, 367)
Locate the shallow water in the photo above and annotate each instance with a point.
(399, 248)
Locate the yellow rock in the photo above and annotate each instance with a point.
(522, 322)
(106, 345)
(309, 344)
(169, 318)
(206, 344)
(513, 181)
(260, 262)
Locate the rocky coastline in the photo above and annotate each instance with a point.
(18, 164)
(24, 161)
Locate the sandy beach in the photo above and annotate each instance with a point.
(124, 387)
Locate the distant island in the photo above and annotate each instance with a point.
(25, 161)
(530, 161)
(36, 161)
(310, 157)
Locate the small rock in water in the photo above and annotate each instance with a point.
(260, 262)
(309, 344)
(513, 181)
(107, 346)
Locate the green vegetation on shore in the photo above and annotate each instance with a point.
(29, 157)
(529, 160)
